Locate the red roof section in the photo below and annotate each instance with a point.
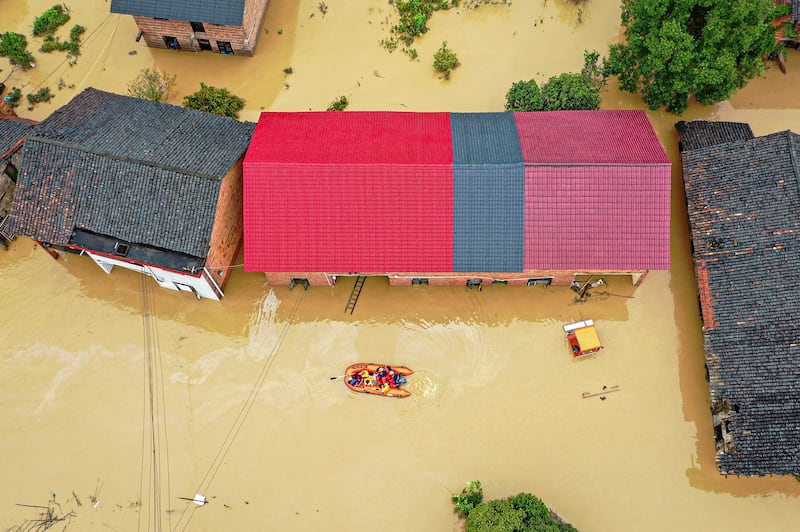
(588, 137)
(349, 192)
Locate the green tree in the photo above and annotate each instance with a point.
(570, 91)
(470, 497)
(445, 60)
(520, 513)
(214, 100)
(152, 84)
(702, 48)
(49, 21)
(524, 96)
(15, 47)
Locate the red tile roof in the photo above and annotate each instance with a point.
(588, 137)
(349, 192)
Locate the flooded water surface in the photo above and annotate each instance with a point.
(119, 410)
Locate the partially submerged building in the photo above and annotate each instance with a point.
(137, 184)
(228, 27)
(455, 198)
(743, 198)
(12, 134)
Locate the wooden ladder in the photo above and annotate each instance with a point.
(351, 304)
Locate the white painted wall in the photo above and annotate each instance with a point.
(199, 286)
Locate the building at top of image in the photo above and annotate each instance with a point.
(743, 199)
(455, 198)
(228, 27)
(136, 184)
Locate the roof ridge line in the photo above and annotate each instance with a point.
(109, 155)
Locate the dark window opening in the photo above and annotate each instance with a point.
(475, 283)
(197, 27)
(172, 42)
(544, 281)
(225, 47)
(500, 281)
(417, 281)
(159, 18)
(12, 172)
(121, 249)
(205, 44)
(299, 281)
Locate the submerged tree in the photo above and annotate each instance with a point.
(520, 513)
(702, 48)
(152, 84)
(214, 100)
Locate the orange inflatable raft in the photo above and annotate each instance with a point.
(370, 384)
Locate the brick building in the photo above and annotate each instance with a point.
(742, 199)
(229, 27)
(142, 185)
(455, 198)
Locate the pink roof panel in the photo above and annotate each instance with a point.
(588, 137)
(597, 217)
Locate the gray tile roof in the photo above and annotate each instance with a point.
(186, 140)
(743, 198)
(11, 132)
(795, 10)
(702, 133)
(143, 172)
(228, 12)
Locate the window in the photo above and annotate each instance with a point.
(225, 47)
(121, 249)
(544, 281)
(11, 172)
(205, 44)
(417, 281)
(172, 43)
(159, 18)
(475, 283)
(500, 281)
(197, 27)
(302, 281)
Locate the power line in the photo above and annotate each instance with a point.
(241, 416)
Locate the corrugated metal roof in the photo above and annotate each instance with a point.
(597, 217)
(588, 137)
(349, 192)
(743, 199)
(489, 188)
(228, 12)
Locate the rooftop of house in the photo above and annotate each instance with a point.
(456, 192)
(144, 172)
(12, 131)
(226, 12)
(743, 200)
(698, 134)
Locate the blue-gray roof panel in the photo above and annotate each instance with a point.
(227, 12)
(485, 138)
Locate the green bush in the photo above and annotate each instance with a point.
(470, 497)
(14, 97)
(444, 60)
(520, 513)
(152, 85)
(15, 47)
(42, 95)
(214, 100)
(414, 15)
(339, 104)
(569, 91)
(49, 21)
(524, 96)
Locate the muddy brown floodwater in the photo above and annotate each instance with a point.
(244, 409)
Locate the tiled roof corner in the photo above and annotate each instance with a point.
(699, 134)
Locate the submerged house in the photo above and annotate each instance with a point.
(228, 27)
(743, 198)
(455, 198)
(12, 134)
(137, 184)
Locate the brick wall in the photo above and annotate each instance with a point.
(227, 234)
(242, 39)
(560, 277)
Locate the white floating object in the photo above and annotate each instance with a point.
(199, 500)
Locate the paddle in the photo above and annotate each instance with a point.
(339, 377)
